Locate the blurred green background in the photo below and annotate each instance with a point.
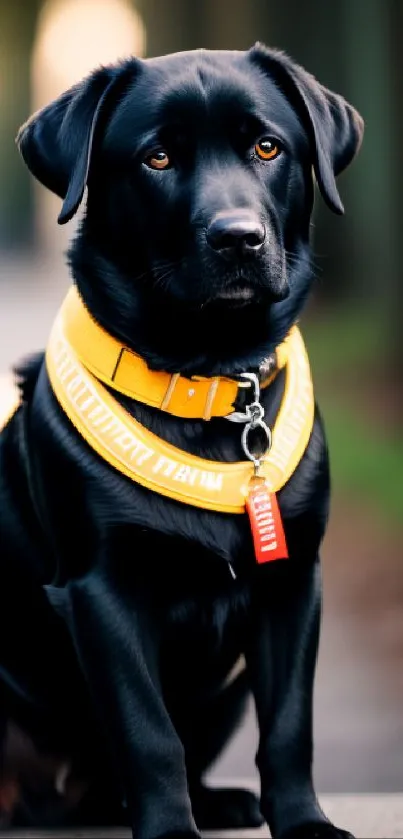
(352, 324)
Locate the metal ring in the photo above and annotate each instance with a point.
(244, 440)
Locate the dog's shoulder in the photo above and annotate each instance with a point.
(26, 374)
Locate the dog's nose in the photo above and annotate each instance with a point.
(236, 232)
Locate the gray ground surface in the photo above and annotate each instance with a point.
(368, 817)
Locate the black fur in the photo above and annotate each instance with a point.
(121, 615)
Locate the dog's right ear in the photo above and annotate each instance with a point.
(334, 126)
(57, 142)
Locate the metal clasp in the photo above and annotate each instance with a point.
(253, 419)
(251, 381)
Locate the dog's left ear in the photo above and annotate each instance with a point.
(57, 142)
(335, 127)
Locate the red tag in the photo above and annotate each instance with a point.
(265, 521)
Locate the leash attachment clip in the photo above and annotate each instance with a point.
(253, 419)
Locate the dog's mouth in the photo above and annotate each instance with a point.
(247, 286)
(224, 292)
(236, 288)
(237, 294)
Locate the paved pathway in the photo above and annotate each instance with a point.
(368, 817)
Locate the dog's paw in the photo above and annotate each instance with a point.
(316, 830)
(225, 809)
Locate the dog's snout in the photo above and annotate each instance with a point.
(236, 232)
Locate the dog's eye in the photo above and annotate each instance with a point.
(158, 160)
(267, 149)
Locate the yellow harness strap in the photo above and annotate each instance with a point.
(121, 369)
(142, 456)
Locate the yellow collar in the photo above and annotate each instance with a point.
(142, 456)
(121, 369)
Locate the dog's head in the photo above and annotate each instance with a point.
(199, 169)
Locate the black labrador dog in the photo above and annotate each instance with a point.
(123, 612)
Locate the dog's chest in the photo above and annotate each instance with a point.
(90, 501)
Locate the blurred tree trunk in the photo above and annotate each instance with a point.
(168, 24)
(395, 284)
(229, 24)
(173, 25)
(369, 185)
(17, 31)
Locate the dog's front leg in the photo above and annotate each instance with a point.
(117, 639)
(281, 656)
